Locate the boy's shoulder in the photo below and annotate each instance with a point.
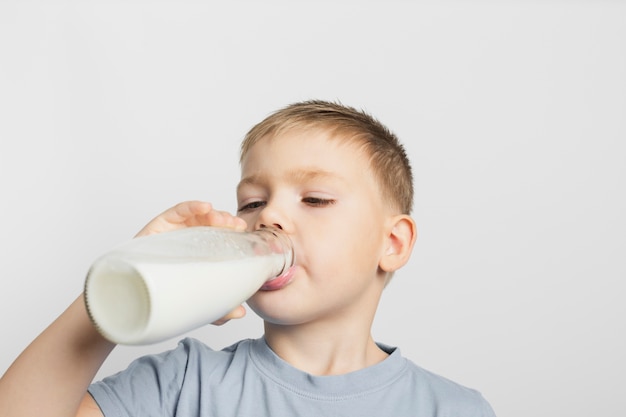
(443, 392)
(432, 391)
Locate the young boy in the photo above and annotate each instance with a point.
(340, 185)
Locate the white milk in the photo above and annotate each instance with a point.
(160, 286)
(138, 299)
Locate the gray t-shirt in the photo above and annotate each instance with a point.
(249, 379)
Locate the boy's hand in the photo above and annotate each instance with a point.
(191, 213)
(237, 313)
(196, 213)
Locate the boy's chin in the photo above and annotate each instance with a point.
(274, 310)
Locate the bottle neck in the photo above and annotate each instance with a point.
(279, 243)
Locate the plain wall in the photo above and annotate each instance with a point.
(513, 114)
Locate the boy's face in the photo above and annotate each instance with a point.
(321, 191)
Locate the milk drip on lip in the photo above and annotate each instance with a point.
(156, 287)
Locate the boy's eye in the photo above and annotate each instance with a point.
(318, 202)
(251, 206)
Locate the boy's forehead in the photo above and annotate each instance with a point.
(304, 174)
(303, 155)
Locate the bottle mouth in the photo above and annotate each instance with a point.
(285, 248)
(279, 281)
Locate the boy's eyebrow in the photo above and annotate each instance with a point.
(293, 176)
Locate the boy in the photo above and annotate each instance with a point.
(340, 185)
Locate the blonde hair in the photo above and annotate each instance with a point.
(388, 158)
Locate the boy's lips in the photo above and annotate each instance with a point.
(280, 281)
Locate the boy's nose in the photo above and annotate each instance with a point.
(271, 216)
(276, 225)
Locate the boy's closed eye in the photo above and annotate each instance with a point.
(310, 201)
(318, 201)
(251, 206)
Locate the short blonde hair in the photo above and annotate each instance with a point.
(388, 158)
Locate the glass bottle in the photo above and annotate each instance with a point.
(159, 286)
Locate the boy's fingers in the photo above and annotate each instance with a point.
(175, 217)
(181, 212)
(192, 213)
(237, 313)
(225, 219)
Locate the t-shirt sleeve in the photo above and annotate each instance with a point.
(149, 386)
(486, 411)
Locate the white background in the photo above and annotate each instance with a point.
(513, 114)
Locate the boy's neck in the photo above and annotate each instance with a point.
(318, 349)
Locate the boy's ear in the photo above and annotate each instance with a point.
(401, 237)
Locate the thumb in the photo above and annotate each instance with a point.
(237, 313)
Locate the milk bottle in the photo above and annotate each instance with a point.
(160, 286)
